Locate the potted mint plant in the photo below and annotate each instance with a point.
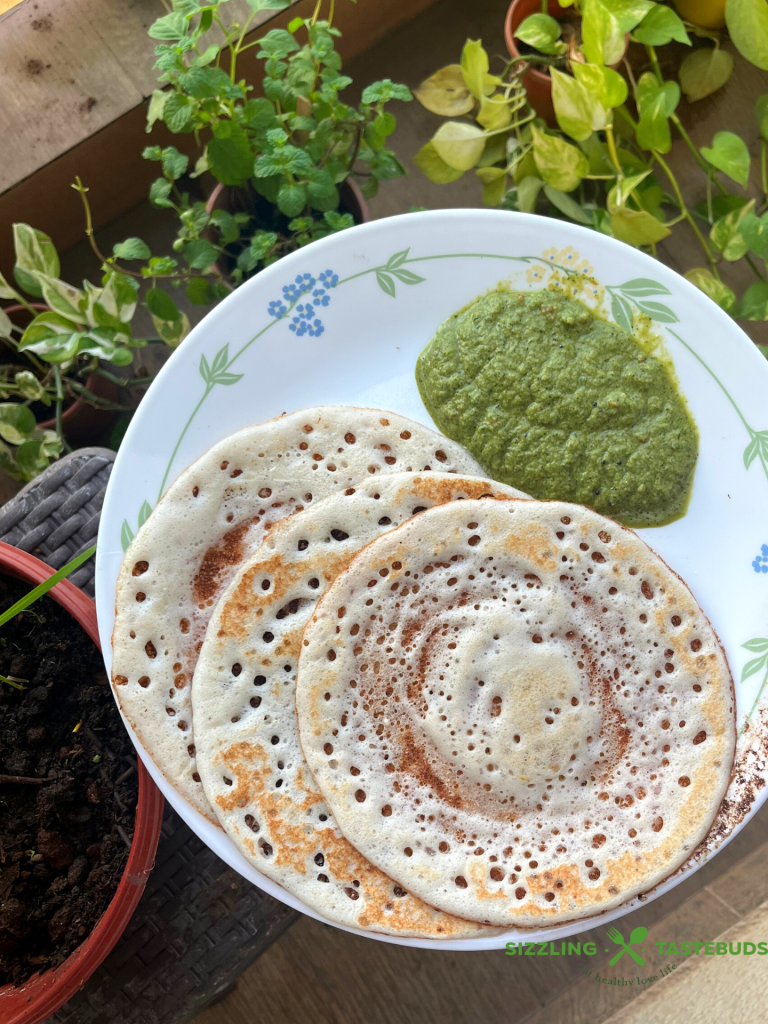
(290, 161)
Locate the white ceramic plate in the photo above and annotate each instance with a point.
(343, 321)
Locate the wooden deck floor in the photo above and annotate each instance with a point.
(317, 974)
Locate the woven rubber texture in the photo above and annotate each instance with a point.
(57, 515)
(197, 927)
(198, 924)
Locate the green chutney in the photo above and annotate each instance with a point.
(562, 405)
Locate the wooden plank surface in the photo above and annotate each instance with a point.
(103, 145)
(7, 5)
(727, 989)
(320, 975)
(68, 69)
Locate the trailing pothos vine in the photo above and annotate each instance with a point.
(604, 164)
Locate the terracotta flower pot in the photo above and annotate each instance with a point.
(352, 200)
(537, 84)
(83, 424)
(42, 994)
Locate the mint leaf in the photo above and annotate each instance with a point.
(291, 200)
(174, 162)
(277, 44)
(204, 82)
(161, 304)
(385, 90)
(159, 191)
(170, 27)
(200, 254)
(230, 159)
(177, 114)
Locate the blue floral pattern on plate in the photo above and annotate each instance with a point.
(304, 319)
(760, 564)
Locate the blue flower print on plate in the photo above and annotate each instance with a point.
(304, 319)
(303, 283)
(760, 564)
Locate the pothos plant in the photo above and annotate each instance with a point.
(71, 333)
(604, 165)
(287, 150)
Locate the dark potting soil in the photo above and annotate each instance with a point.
(64, 832)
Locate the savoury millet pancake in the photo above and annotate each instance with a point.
(516, 710)
(211, 519)
(246, 734)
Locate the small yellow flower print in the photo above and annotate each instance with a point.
(534, 274)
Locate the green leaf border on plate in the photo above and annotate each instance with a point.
(639, 292)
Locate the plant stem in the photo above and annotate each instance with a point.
(612, 149)
(627, 117)
(17, 686)
(684, 210)
(763, 167)
(710, 214)
(650, 50)
(355, 150)
(630, 76)
(27, 305)
(122, 382)
(690, 144)
(21, 780)
(79, 187)
(228, 44)
(101, 403)
(755, 269)
(59, 407)
(239, 43)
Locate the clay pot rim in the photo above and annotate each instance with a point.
(365, 213)
(509, 39)
(42, 994)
